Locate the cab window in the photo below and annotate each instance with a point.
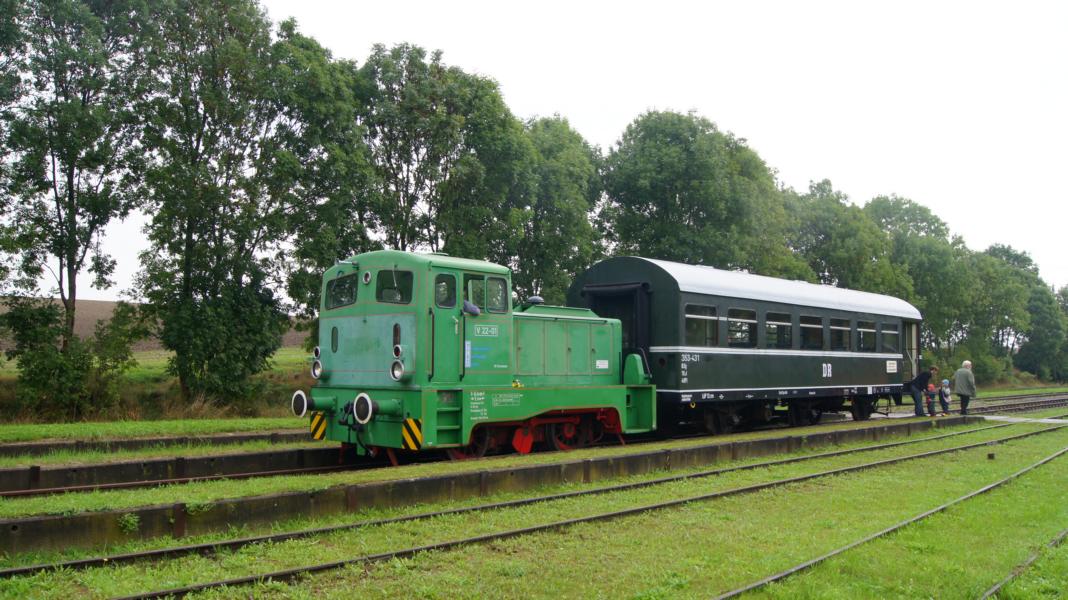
(475, 290)
(497, 295)
(445, 291)
(341, 291)
(394, 287)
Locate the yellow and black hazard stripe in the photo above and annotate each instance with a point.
(412, 434)
(318, 425)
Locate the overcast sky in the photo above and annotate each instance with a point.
(962, 107)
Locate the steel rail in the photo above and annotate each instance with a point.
(1018, 406)
(1020, 568)
(213, 547)
(291, 573)
(938, 509)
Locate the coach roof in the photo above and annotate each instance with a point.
(734, 284)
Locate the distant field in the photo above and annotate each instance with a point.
(91, 311)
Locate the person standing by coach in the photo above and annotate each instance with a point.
(964, 385)
(919, 387)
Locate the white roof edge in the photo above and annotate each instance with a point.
(736, 284)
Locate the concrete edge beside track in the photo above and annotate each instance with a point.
(39, 447)
(88, 529)
(33, 478)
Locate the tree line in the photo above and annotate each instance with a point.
(260, 159)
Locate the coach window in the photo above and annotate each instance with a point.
(702, 325)
(811, 333)
(394, 287)
(341, 291)
(840, 329)
(445, 291)
(497, 295)
(866, 336)
(741, 328)
(779, 330)
(890, 337)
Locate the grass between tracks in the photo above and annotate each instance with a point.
(959, 553)
(1046, 578)
(202, 494)
(688, 551)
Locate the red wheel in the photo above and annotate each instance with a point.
(480, 442)
(567, 436)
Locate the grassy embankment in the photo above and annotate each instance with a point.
(699, 548)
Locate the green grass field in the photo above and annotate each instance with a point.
(690, 551)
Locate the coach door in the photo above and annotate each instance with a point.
(445, 328)
(627, 302)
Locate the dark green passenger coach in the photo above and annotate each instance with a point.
(725, 347)
(427, 351)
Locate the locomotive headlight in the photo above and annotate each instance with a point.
(316, 352)
(316, 369)
(396, 370)
(299, 403)
(364, 409)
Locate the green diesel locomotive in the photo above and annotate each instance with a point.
(426, 351)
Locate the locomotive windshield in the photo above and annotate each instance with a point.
(497, 294)
(394, 287)
(341, 291)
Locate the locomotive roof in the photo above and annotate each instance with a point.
(735, 284)
(437, 259)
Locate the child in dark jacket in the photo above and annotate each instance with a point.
(943, 396)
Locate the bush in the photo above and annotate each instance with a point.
(79, 380)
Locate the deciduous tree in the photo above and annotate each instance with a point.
(558, 239)
(73, 132)
(220, 185)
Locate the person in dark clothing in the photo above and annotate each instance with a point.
(918, 386)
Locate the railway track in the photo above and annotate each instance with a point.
(1022, 567)
(900, 525)
(39, 481)
(296, 572)
(1029, 403)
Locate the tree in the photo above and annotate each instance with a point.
(73, 133)
(221, 134)
(669, 192)
(1045, 335)
(558, 239)
(843, 246)
(326, 168)
(999, 303)
(902, 217)
(451, 160)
